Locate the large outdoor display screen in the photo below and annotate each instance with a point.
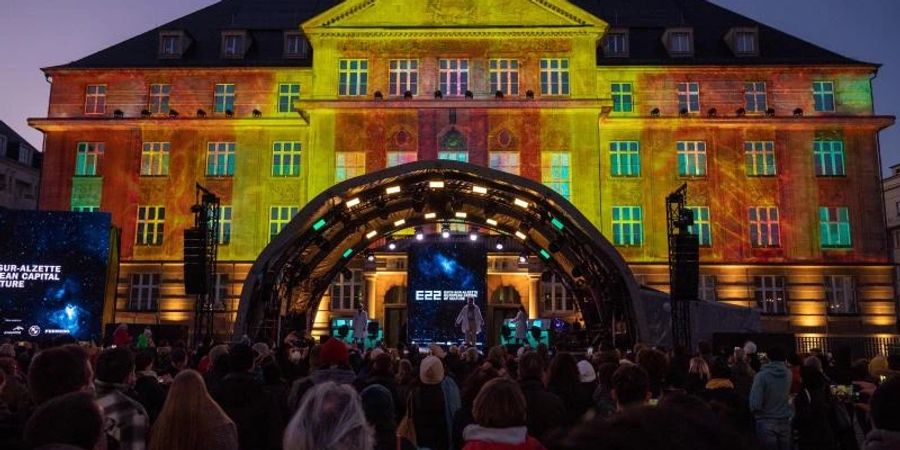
(440, 278)
(53, 269)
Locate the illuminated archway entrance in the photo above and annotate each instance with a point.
(300, 263)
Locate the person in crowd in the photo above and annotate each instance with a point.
(470, 390)
(679, 362)
(500, 419)
(705, 350)
(275, 386)
(546, 411)
(741, 373)
(697, 377)
(655, 364)
(813, 408)
(885, 414)
(179, 361)
(242, 396)
(191, 420)
(151, 394)
(564, 380)
(121, 337)
(630, 387)
(378, 405)
(770, 402)
(433, 404)
(145, 340)
(587, 377)
(496, 357)
(113, 380)
(752, 356)
(332, 364)
(15, 393)
(69, 421)
(57, 371)
(329, 417)
(360, 325)
(470, 321)
(724, 400)
(382, 373)
(604, 404)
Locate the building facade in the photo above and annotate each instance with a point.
(612, 104)
(20, 171)
(892, 216)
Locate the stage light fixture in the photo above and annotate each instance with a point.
(473, 235)
(470, 95)
(557, 223)
(229, 113)
(436, 184)
(770, 112)
(545, 254)
(529, 94)
(438, 94)
(257, 114)
(347, 253)
(523, 258)
(370, 256)
(499, 246)
(419, 234)
(445, 231)
(400, 222)
(429, 216)
(352, 202)
(491, 222)
(145, 113)
(371, 234)
(391, 245)
(408, 95)
(741, 112)
(654, 112)
(521, 203)
(319, 224)
(460, 215)
(521, 235)
(479, 189)
(118, 114)
(392, 190)
(201, 113)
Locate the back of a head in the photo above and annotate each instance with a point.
(699, 366)
(500, 404)
(564, 370)
(812, 377)
(654, 362)
(330, 416)
(58, 371)
(378, 405)
(143, 360)
(114, 365)
(188, 414)
(531, 366)
(72, 419)
(885, 405)
(240, 358)
(777, 354)
(704, 348)
(631, 384)
(475, 382)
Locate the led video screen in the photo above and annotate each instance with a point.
(53, 268)
(441, 276)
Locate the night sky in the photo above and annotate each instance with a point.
(39, 33)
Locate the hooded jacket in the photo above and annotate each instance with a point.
(769, 394)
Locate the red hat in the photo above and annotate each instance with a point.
(332, 353)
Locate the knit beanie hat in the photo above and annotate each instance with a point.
(586, 372)
(431, 370)
(333, 353)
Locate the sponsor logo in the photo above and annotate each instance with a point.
(34, 330)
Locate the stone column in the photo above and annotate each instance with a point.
(371, 301)
(534, 289)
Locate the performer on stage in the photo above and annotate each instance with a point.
(360, 326)
(521, 325)
(470, 321)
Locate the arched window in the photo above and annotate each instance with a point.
(505, 295)
(453, 147)
(395, 295)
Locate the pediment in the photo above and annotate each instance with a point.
(461, 14)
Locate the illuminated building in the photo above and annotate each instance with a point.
(20, 171)
(613, 104)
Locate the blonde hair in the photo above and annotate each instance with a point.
(700, 367)
(189, 417)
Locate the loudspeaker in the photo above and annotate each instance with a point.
(687, 266)
(195, 279)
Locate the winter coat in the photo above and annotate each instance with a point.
(545, 410)
(255, 413)
(517, 438)
(812, 421)
(769, 394)
(882, 440)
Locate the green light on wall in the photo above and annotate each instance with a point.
(319, 224)
(545, 254)
(347, 253)
(556, 223)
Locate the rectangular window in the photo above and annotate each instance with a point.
(755, 97)
(555, 76)
(745, 43)
(220, 159)
(453, 76)
(504, 161)
(765, 228)
(151, 222)
(295, 45)
(625, 158)
(288, 93)
(504, 75)
(691, 158)
(233, 44)
(702, 225)
(760, 158)
(223, 99)
(221, 290)
(840, 293)
(834, 227)
(557, 299)
(353, 77)
(615, 44)
(628, 226)
(556, 172)
(170, 44)
(829, 158)
(396, 158)
(689, 97)
(286, 159)
(349, 165)
(622, 96)
(706, 288)
(346, 293)
(155, 159)
(681, 42)
(224, 224)
(454, 155)
(144, 292)
(159, 98)
(823, 96)
(95, 99)
(770, 294)
(279, 217)
(86, 158)
(404, 77)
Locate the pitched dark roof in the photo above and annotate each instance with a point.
(646, 20)
(13, 141)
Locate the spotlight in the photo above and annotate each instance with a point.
(370, 256)
(770, 112)
(470, 95)
(713, 112)
(499, 246)
(438, 94)
(173, 114)
(473, 235)
(683, 111)
(408, 95)
(419, 234)
(798, 112)
(229, 113)
(257, 114)
(379, 95)
(118, 114)
(529, 94)
(445, 231)
(391, 245)
(498, 95)
(201, 113)
(741, 112)
(654, 112)
(145, 113)
(523, 258)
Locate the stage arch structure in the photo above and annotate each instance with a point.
(297, 267)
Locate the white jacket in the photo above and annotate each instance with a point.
(463, 321)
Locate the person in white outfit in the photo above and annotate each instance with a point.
(360, 326)
(521, 321)
(470, 321)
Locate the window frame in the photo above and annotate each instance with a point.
(835, 220)
(771, 285)
(403, 79)
(635, 226)
(760, 159)
(504, 79)
(562, 86)
(155, 159)
(279, 217)
(453, 73)
(241, 44)
(159, 101)
(829, 158)
(824, 100)
(400, 157)
(561, 300)
(753, 95)
(616, 52)
(688, 96)
(302, 52)
(693, 158)
(95, 102)
(764, 232)
(150, 231)
(224, 101)
(497, 161)
(846, 286)
(671, 39)
(358, 168)
(355, 287)
(707, 287)
(353, 81)
(91, 158)
(226, 216)
(286, 99)
(144, 288)
(556, 174)
(703, 223)
(625, 155)
(220, 157)
(619, 96)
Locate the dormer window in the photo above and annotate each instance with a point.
(234, 44)
(295, 45)
(615, 43)
(744, 41)
(172, 44)
(679, 42)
